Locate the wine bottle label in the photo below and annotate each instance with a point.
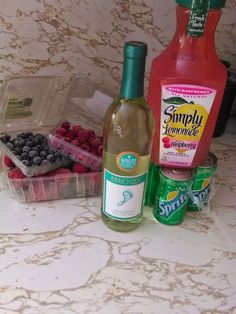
(123, 195)
(184, 113)
(124, 181)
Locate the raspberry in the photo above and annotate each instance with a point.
(8, 162)
(16, 174)
(86, 147)
(83, 135)
(76, 129)
(91, 132)
(69, 137)
(165, 139)
(75, 142)
(94, 151)
(78, 168)
(61, 131)
(64, 180)
(167, 145)
(90, 139)
(65, 125)
(100, 150)
(95, 142)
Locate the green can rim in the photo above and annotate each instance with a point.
(177, 180)
(215, 160)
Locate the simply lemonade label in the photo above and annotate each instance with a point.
(184, 114)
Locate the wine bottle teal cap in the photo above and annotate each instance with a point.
(214, 4)
(135, 49)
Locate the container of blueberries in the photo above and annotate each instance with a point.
(23, 138)
(39, 161)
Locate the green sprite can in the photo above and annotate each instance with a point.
(202, 183)
(172, 195)
(152, 180)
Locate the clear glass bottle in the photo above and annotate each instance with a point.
(128, 131)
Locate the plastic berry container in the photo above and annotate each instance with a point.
(48, 188)
(86, 106)
(35, 170)
(39, 104)
(23, 105)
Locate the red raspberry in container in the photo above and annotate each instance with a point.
(75, 142)
(16, 174)
(69, 137)
(76, 129)
(95, 142)
(83, 136)
(8, 162)
(78, 168)
(86, 147)
(61, 131)
(65, 125)
(91, 132)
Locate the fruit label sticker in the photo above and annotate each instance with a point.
(184, 114)
(18, 108)
(125, 199)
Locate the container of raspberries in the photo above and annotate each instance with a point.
(82, 141)
(43, 159)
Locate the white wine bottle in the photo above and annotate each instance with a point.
(128, 132)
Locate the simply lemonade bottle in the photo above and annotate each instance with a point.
(128, 131)
(186, 87)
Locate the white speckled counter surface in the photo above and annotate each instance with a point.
(58, 257)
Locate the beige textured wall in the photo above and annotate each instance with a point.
(67, 37)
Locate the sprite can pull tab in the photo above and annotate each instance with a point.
(202, 183)
(172, 195)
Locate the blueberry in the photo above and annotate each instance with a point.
(19, 142)
(18, 150)
(28, 134)
(25, 155)
(19, 157)
(26, 162)
(37, 160)
(43, 153)
(5, 138)
(45, 162)
(39, 147)
(33, 153)
(22, 135)
(39, 137)
(10, 146)
(26, 149)
(36, 142)
(29, 143)
(51, 158)
(14, 152)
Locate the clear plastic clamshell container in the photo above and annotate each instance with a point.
(33, 104)
(24, 105)
(86, 105)
(48, 188)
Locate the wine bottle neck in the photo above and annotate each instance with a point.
(132, 78)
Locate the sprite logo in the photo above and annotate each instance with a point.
(127, 161)
(170, 206)
(202, 194)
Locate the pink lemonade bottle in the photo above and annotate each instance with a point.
(186, 87)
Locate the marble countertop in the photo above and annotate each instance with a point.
(58, 258)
